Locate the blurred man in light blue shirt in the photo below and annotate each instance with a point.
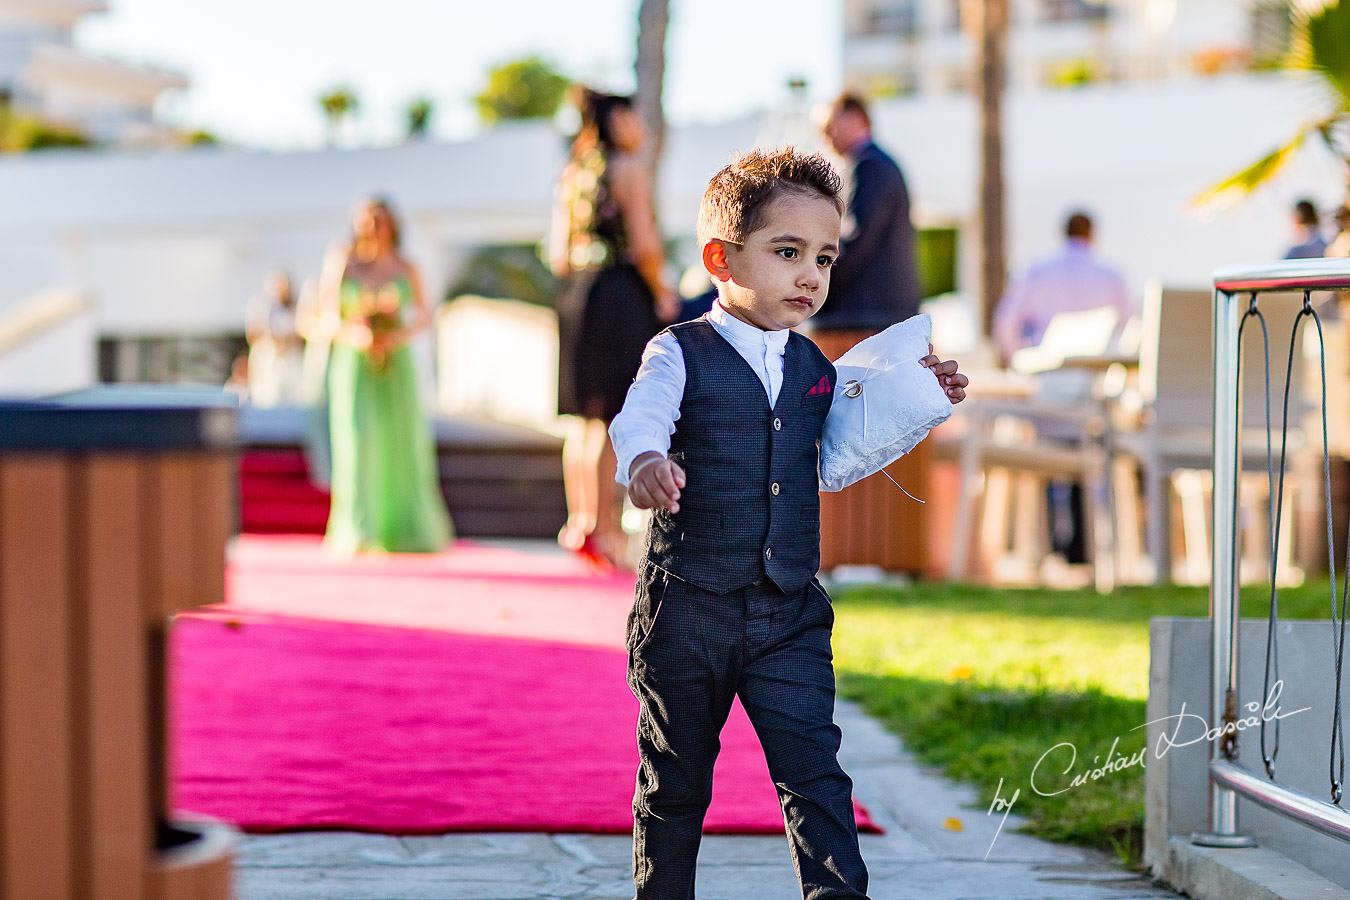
(1072, 281)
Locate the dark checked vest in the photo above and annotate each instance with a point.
(752, 503)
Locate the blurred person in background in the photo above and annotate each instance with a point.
(1310, 243)
(313, 393)
(1339, 248)
(274, 344)
(237, 383)
(1308, 240)
(385, 483)
(606, 247)
(1340, 245)
(875, 283)
(1072, 281)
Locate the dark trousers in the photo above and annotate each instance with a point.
(691, 652)
(1067, 534)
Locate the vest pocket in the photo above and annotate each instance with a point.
(810, 513)
(700, 521)
(816, 399)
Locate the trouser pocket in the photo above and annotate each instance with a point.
(651, 590)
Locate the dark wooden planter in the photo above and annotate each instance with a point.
(873, 522)
(115, 508)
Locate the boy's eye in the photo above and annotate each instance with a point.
(787, 252)
(824, 261)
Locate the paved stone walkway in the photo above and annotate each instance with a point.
(916, 858)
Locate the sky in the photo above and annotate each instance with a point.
(257, 67)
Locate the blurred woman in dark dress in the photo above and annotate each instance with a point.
(607, 248)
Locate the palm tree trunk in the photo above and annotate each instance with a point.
(653, 16)
(992, 66)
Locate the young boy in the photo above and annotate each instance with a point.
(727, 601)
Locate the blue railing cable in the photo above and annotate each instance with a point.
(1272, 666)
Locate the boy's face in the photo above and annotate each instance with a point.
(780, 275)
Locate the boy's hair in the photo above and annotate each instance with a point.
(733, 205)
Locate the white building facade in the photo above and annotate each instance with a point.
(177, 242)
(169, 246)
(927, 46)
(44, 73)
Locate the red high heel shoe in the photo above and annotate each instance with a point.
(588, 547)
(597, 558)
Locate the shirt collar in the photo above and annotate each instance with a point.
(744, 332)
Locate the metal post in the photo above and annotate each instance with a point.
(1224, 605)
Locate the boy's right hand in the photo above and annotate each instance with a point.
(655, 482)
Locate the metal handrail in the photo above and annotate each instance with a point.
(1315, 813)
(1231, 287)
(1285, 275)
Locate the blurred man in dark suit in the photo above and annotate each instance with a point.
(875, 283)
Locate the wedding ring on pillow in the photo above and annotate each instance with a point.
(852, 388)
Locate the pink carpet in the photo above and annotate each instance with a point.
(478, 690)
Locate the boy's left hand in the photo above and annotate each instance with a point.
(951, 380)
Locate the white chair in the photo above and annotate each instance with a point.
(1172, 445)
(1005, 464)
(1085, 332)
(1013, 447)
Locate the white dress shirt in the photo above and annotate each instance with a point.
(653, 403)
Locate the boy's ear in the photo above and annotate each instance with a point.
(715, 260)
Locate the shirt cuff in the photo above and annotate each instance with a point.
(626, 461)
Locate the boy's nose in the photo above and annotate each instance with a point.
(809, 278)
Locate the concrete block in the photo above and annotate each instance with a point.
(1177, 765)
(1253, 873)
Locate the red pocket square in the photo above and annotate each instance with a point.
(822, 387)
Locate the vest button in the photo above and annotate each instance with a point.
(777, 424)
(768, 553)
(774, 488)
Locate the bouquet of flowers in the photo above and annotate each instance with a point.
(379, 310)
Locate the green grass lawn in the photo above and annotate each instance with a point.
(983, 681)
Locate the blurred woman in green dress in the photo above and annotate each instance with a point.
(385, 487)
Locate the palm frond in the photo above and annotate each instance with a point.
(1322, 45)
(1239, 185)
(1336, 135)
